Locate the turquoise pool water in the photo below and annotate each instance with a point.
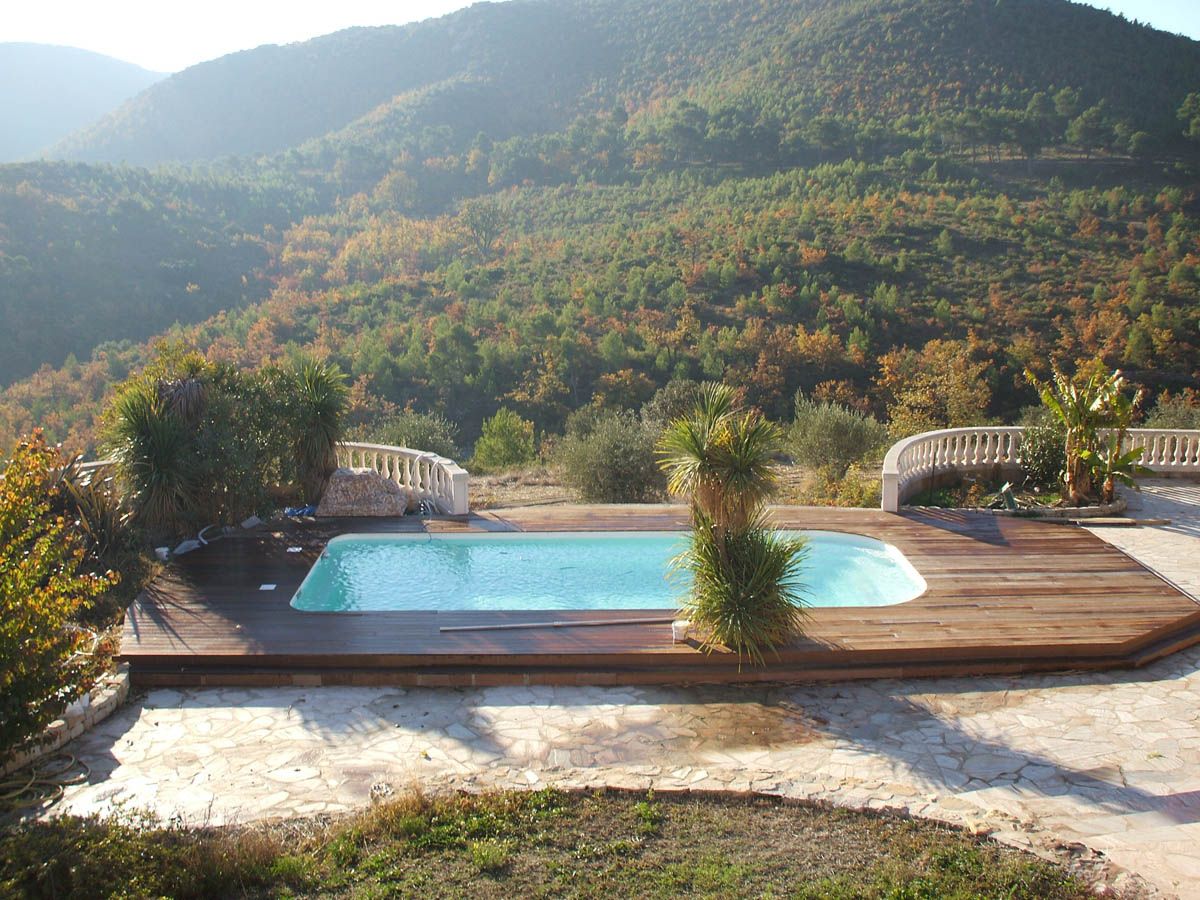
(569, 570)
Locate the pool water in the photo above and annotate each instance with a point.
(570, 570)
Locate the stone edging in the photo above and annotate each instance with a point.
(92, 708)
(1099, 511)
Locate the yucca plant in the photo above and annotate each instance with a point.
(687, 451)
(154, 457)
(318, 409)
(744, 589)
(91, 499)
(186, 397)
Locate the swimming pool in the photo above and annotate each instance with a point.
(569, 570)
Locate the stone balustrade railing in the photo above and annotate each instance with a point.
(430, 477)
(915, 463)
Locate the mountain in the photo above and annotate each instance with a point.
(541, 63)
(548, 204)
(272, 98)
(48, 92)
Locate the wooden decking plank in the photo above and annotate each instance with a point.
(1014, 582)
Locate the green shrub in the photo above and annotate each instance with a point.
(673, 401)
(506, 443)
(198, 442)
(828, 435)
(490, 855)
(43, 661)
(1043, 457)
(1176, 411)
(650, 816)
(853, 488)
(431, 432)
(610, 459)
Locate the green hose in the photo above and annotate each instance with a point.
(42, 785)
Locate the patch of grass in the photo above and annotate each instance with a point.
(490, 855)
(87, 858)
(344, 851)
(293, 870)
(709, 876)
(649, 816)
(946, 498)
(504, 845)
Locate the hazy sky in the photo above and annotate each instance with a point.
(168, 35)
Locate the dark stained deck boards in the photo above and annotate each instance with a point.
(1004, 595)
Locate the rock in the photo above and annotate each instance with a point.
(363, 492)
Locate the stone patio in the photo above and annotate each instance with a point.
(1111, 761)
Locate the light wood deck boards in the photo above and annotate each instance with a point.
(1003, 595)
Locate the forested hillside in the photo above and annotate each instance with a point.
(897, 204)
(89, 255)
(896, 63)
(47, 92)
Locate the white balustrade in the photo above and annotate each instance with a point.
(917, 460)
(430, 477)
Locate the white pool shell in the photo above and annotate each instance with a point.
(915, 585)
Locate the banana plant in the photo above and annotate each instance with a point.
(1084, 407)
(1109, 464)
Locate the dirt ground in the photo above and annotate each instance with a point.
(544, 486)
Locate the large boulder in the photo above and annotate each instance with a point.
(363, 492)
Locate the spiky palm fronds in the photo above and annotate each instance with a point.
(154, 457)
(743, 458)
(102, 514)
(683, 449)
(745, 590)
(320, 403)
(186, 397)
(720, 458)
(91, 499)
(684, 452)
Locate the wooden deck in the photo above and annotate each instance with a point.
(1004, 595)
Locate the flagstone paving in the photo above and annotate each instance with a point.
(1111, 761)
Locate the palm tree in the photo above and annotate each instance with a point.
(686, 450)
(319, 404)
(744, 592)
(154, 456)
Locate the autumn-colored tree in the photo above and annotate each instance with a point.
(482, 221)
(942, 386)
(43, 658)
